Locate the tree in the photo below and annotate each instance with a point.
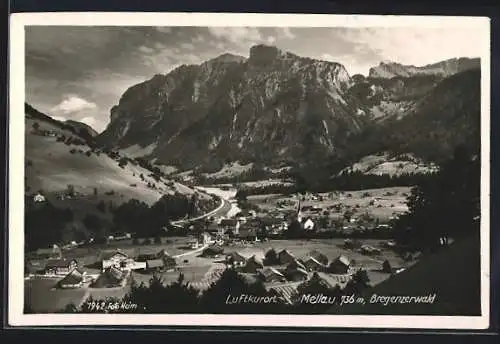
(36, 126)
(70, 189)
(386, 267)
(446, 205)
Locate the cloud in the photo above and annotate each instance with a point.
(285, 32)
(73, 103)
(237, 35)
(146, 50)
(187, 46)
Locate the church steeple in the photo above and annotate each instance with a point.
(299, 211)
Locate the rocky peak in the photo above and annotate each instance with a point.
(387, 69)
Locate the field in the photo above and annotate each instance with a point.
(41, 296)
(383, 164)
(381, 203)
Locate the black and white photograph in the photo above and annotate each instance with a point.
(292, 170)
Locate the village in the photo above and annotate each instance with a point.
(251, 243)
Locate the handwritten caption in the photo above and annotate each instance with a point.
(318, 299)
(106, 306)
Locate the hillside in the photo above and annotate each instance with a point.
(452, 274)
(82, 127)
(385, 164)
(445, 117)
(52, 164)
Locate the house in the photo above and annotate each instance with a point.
(366, 249)
(193, 244)
(38, 198)
(205, 238)
(74, 279)
(60, 266)
(340, 265)
(308, 224)
(295, 264)
(320, 257)
(235, 259)
(117, 259)
(253, 265)
(169, 262)
(312, 264)
(229, 226)
(296, 271)
(271, 275)
(155, 265)
(285, 257)
(297, 274)
(247, 233)
(111, 277)
(329, 281)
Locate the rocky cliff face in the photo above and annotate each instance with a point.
(445, 68)
(273, 106)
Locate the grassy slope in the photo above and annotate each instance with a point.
(54, 167)
(453, 274)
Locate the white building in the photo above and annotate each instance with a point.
(38, 198)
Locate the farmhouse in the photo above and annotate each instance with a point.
(285, 257)
(320, 257)
(330, 281)
(116, 259)
(110, 278)
(247, 233)
(194, 243)
(296, 271)
(74, 279)
(340, 265)
(312, 264)
(295, 264)
(60, 266)
(270, 275)
(235, 259)
(253, 264)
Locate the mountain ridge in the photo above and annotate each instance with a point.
(274, 107)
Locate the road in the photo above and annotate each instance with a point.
(222, 210)
(191, 252)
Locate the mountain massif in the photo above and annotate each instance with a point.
(278, 108)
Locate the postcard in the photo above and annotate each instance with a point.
(319, 171)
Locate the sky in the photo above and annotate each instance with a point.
(80, 72)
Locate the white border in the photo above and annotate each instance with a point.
(16, 176)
